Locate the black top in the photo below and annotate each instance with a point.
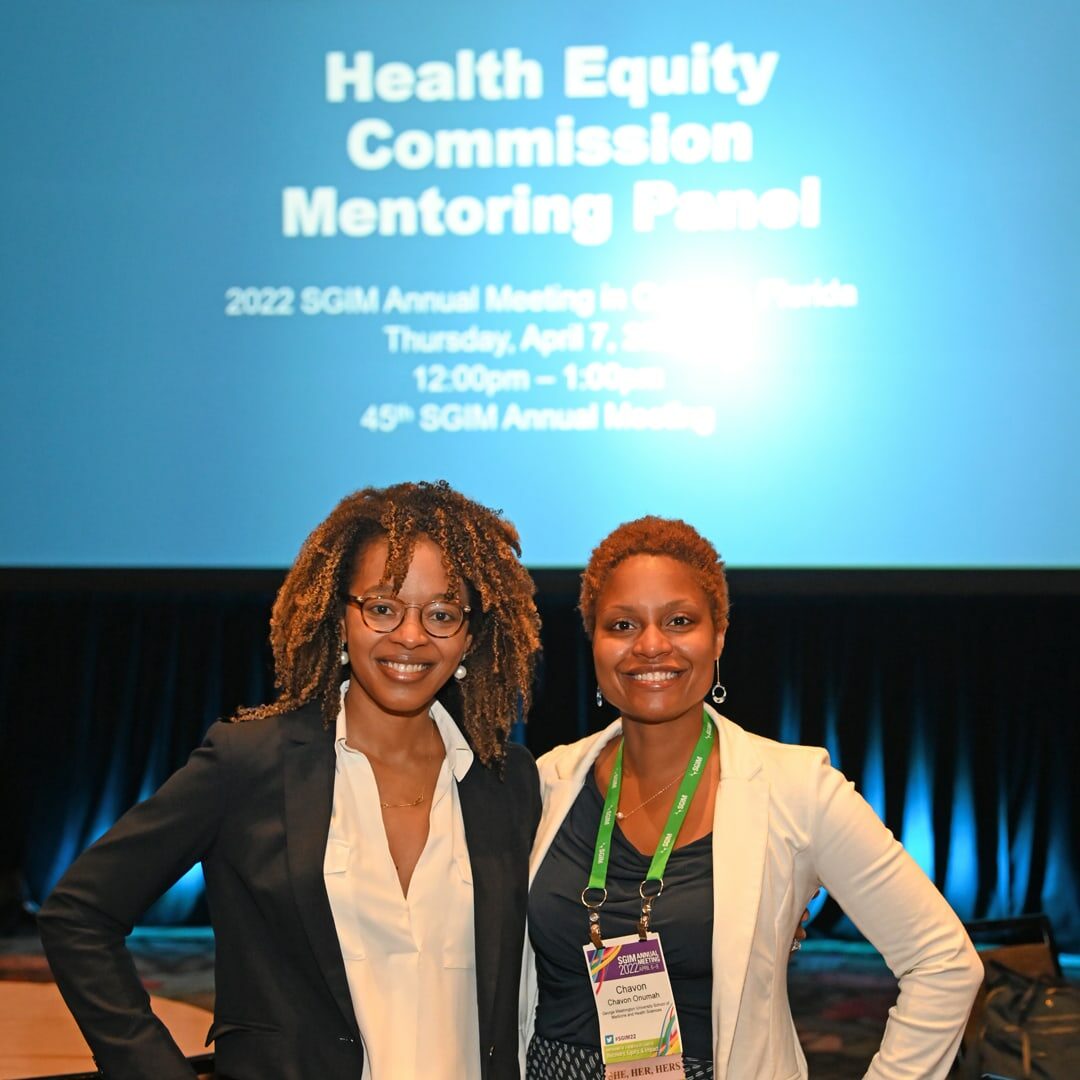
(559, 926)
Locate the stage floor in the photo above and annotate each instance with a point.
(840, 992)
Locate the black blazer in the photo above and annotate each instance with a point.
(253, 804)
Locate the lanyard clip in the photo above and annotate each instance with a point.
(594, 906)
(647, 899)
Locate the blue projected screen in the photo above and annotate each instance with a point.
(800, 274)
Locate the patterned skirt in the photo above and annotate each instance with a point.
(550, 1060)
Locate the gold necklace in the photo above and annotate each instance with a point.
(397, 805)
(621, 815)
(419, 798)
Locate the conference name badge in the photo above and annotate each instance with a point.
(639, 1027)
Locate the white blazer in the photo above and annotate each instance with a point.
(785, 823)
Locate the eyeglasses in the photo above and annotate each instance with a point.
(439, 618)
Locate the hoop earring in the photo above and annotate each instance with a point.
(719, 691)
(460, 672)
(599, 698)
(343, 657)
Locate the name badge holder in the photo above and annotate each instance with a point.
(639, 1026)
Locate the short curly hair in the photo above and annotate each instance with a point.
(652, 535)
(480, 550)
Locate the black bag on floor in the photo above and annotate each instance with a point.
(1030, 1028)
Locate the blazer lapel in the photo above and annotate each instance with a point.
(740, 835)
(309, 796)
(561, 780)
(486, 874)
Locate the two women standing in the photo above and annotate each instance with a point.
(366, 858)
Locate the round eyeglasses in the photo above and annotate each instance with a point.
(439, 618)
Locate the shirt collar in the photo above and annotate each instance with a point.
(459, 754)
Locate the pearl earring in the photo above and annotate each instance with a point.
(343, 658)
(460, 672)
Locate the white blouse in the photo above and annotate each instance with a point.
(410, 961)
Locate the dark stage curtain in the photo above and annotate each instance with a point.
(102, 696)
(953, 709)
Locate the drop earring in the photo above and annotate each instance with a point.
(599, 698)
(719, 691)
(343, 657)
(460, 672)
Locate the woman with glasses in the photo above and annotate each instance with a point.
(364, 838)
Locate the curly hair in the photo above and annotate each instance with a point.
(652, 535)
(480, 550)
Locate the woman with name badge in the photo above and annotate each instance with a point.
(676, 851)
(365, 857)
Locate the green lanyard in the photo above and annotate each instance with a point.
(680, 808)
